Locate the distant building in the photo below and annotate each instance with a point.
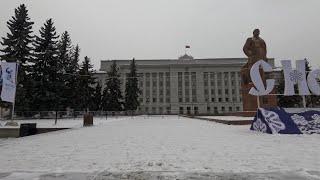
(185, 85)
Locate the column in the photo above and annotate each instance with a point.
(216, 98)
(223, 87)
(230, 88)
(144, 88)
(183, 88)
(210, 87)
(158, 97)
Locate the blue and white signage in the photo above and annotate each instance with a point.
(306, 85)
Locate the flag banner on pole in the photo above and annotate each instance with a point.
(8, 81)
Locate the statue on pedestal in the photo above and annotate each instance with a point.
(256, 49)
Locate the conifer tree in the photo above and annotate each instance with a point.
(132, 90)
(72, 78)
(112, 97)
(46, 69)
(97, 97)
(86, 85)
(64, 61)
(17, 48)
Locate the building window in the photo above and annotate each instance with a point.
(227, 99)
(168, 110)
(238, 108)
(212, 99)
(180, 110)
(216, 110)
(147, 110)
(187, 99)
(196, 110)
(226, 91)
(167, 100)
(161, 100)
(230, 109)
(220, 99)
(154, 111)
(194, 92)
(222, 109)
(154, 99)
(208, 109)
(180, 99)
(167, 92)
(188, 110)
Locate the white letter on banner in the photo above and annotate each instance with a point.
(293, 77)
(256, 79)
(312, 81)
(8, 81)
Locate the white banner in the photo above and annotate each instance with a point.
(8, 81)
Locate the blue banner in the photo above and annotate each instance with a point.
(278, 121)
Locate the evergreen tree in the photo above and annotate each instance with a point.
(112, 97)
(17, 49)
(86, 85)
(46, 69)
(72, 79)
(64, 61)
(132, 91)
(97, 98)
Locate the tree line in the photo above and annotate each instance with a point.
(50, 77)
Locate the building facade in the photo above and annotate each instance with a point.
(185, 85)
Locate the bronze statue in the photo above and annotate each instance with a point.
(255, 48)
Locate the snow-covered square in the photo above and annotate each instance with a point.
(172, 146)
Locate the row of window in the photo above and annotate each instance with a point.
(188, 110)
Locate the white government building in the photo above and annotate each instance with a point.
(184, 85)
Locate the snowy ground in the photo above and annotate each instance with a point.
(152, 146)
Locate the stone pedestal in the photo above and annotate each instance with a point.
(250, 102)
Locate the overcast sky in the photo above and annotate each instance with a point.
(159, 29)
